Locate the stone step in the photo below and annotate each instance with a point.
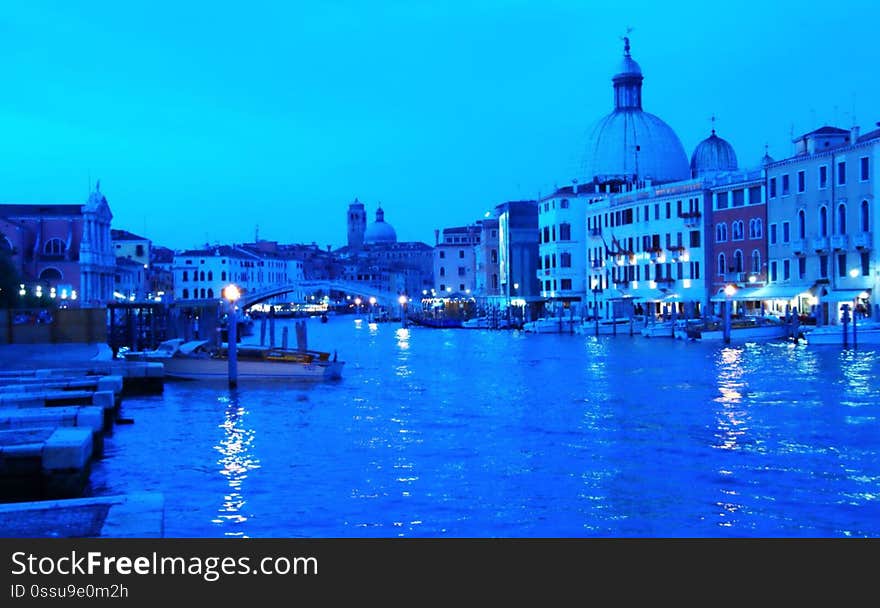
(63, 383)
(44, 461)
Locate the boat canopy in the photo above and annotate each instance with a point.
(774, 291)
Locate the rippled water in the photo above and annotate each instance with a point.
(498, 434)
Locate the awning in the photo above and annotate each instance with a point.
(655, 295)
(844, 295)
(774, 291)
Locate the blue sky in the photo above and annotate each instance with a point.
(206, 120)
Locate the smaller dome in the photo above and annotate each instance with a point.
(380, 231)
(713, 155)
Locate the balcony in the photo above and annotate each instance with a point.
(820, 243)
(862, 241)
(839, 242)
(691, 218)
(595, 232)
(799, 246)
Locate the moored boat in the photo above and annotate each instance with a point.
(552, 325)
(748, 329)
(866, 332)
(606, 327)
(196, 360)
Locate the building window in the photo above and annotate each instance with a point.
(722, 264)
(565, 260)
(785, 185)
(494, 281)
(722, 200)
(841, 219)
(823, 221)
(823, 266)
(756, 229)
(841, 265)
(721, 233)
(442, 287)
(802, 267)
(786, 232)
(546, 234)
(739, 198)
(563, 204)
(461, 286)
(54, 247)
(461, 254)
(736, 230)
(565, 284)
(865, 219)
(823, 177)
(461, 271)
(185, 293)
(223, 275)
(668, 210)
(802, 224)
(210, 293)
(564, 232)
(756, 262)
(185, 277)
(210, 275)
(695, 238)
(801, 181)
(786, 270)
(442, 271)
(442, 254)
(864, 167)
(203, 293)
(866, 263)
(202, 275)
(841, 173)
(772, 187)
(773, 271)
(755, 195)
(738, 261)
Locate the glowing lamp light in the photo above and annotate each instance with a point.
(231, 293)
(863, 295)
(729, 290)
(516, 285)
(686, 283)
(652, 284)
(424, 292)
(73, 295)
(402, 300)
(357, 301)
(449, 289)
(752, 278)
(854, 272)
(372, 300)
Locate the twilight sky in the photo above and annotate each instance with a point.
(204, 120)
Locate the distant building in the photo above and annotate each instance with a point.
(487, 284)
(64, 249)
(455, 260)
(518, 250)
(131, 246)
(357, 225)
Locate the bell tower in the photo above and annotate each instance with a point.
(357, 225)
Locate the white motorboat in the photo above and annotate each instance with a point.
(667, 329)
(748, 329)
(552, 325)
(866, 332)
(606, 327)
(195, 360)
(486, 323)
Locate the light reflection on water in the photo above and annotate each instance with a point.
(480, 433)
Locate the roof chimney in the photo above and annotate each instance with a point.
(854, 134)
(436, 237)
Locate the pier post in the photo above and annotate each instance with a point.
(271, 328)
(727, 313)
(263, 330)
(232, 294)
(284, 333)
(855, 315)
(844, 321)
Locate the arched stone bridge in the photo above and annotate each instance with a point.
(384, 298)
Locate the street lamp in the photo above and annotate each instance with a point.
(232, 293)
(729, 290)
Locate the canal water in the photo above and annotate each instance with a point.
(470, 433)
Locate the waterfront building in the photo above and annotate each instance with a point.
(130, 281)
(487, 287)
(518, 252)
(131, 246)
(562, 245)
(455, 260)
(822, 222)
(63, 249)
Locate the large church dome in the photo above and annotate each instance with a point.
(630, 144)
(380, 231)
(713, 155)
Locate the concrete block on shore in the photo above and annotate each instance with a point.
(67, 449)
(104, 399)
(110, 383)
